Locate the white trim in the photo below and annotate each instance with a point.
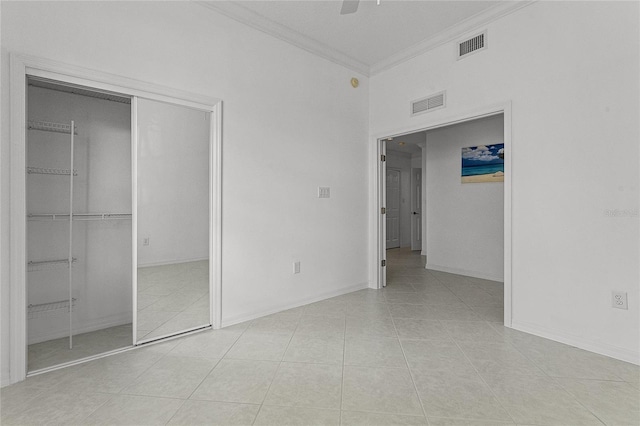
(134, 218)
(376, 243)
(240, 13)
(465, 272)
(279, 308)
(449, 35)
(18, 313)
(215, 210)
(23, 65)
(616, 352)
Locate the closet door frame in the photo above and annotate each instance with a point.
(22, 66)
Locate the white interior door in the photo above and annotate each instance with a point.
(416, 209)
(393, 208)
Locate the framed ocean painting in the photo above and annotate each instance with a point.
(483, 163)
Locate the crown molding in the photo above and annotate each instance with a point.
(453, 33)
(236, 11)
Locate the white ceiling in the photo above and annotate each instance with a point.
(410, 143)
(373, 38)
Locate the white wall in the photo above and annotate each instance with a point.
(291, 123)
(464, 232)
(402, 162)
(571, 72)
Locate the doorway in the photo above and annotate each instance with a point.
(431, 261)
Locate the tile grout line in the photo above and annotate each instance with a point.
(553, 379)
(344, 346)
(455, 341)
(275, 374)
(415, 387)
(467, 358)
(212, 368)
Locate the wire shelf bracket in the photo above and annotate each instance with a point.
(47, 171)
(40, 309)
(42, 265)
(47, 126)
(78, 216)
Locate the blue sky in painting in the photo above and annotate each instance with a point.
(482, 155)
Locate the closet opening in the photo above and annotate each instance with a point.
(115, 212)
(78, 223)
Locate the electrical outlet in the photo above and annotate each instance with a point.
(145, 241)
(296, 267)
(619, 299)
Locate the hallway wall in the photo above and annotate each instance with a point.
(465, 221)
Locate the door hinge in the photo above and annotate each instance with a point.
(383, 210)
(383, 263)
(383, 157)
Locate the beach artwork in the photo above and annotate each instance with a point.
(483, 163)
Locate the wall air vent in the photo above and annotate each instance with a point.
(472, 45)
(429, 103)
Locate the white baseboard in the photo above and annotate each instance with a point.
(237, 319)
(616, 352)
(465, 272)
(170, 262)
(96, 325)
(5, 380)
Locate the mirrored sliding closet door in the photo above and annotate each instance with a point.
(172, 218)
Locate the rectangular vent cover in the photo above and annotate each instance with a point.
(474, 44)
(428, 104)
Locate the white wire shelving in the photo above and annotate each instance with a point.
(39, 309)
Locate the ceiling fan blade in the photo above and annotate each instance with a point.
(349, 6)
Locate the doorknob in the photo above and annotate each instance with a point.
(415, 213)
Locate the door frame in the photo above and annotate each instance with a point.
(376, 232)
(20, 67)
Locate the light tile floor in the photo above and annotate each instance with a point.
(428, 349)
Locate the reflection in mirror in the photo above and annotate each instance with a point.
(173, 193)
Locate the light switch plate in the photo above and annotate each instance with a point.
(324, 192)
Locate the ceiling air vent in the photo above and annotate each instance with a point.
(471, 45)
(428, 104)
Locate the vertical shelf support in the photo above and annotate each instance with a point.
(70, 260)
